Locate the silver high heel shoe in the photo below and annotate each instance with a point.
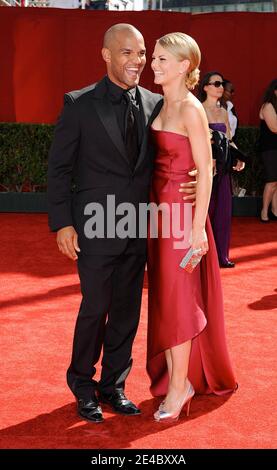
(165, 416)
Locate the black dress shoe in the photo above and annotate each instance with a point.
(229, 264)
(119, 403)
(89, 409)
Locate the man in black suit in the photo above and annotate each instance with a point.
(101, 142)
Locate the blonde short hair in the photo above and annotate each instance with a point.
(183, 46)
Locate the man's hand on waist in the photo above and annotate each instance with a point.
(189, 188)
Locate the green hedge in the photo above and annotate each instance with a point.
(23, 156)
(251, 178)
(24, 150)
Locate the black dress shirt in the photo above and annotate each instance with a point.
(115, 94)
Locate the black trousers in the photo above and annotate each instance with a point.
(109, 315)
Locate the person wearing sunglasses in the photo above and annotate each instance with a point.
(211, 90)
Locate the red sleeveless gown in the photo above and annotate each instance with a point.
(183, 305)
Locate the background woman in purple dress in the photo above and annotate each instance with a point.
(220, 211)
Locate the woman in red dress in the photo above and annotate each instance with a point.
(187, 350)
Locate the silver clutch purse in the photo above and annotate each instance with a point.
(191, 260)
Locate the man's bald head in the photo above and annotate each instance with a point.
(120, 28)
(124, 53)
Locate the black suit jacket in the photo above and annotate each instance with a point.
(88, 148)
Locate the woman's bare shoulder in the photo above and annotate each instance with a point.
(191, 105)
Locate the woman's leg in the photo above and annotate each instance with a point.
(269, 190)
(274, 201)
(178, 384)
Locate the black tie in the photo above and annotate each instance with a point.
(131, 131)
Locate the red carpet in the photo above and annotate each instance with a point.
(39, 301)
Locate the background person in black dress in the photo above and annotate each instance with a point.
(268, 149)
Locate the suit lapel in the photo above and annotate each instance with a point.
(107, 116)
(150, 110)
(147, 105)
(104, 108)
